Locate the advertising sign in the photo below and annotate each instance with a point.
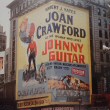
(34, 102)
(53, 54)
(58, 108)
(54, 108)
(2, 62)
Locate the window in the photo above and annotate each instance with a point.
(106, 34)
(29, 2)
(109, 26)
(14, 34)
(101, 57)
(106, 43)
(107, 57)
(91, 34)
(14, 24)
(23, 5)
(13, 44)
(109, 35)
(99, 11)
(19, 8)
(98, 1)
(12, 13)
(4, 47)
(105, 23)
(104, 13)
(13, 65)
(3, 41)
(99, 22)
(100, 33)
(101, 44)
(102, 68)
(90, 22)
(6, 57)
(15, 11)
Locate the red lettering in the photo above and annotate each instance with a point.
(80, 48)
(59, 54)
(66, 46)
(75, 58)
(58, 44)
(73, 47)
(82, 59)
(66, 57)
(48, 46)
(52, 56)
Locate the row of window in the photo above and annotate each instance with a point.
(101, 12)
(2, 47)
(2, 41)
(13, 45)
(104, 23)
(107, 57)
(105, 34)
(30, 2)
(101, 44)
(21, 7)
(24, 5)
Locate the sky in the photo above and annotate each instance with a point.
(4, 17)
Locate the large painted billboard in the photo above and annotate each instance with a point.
(2, 54)
(53, 54)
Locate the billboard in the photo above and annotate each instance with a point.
(53, 54)
(2, 54)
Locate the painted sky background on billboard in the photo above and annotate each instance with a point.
(55, 44)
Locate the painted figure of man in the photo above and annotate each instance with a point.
(32, 48)
(66, 80)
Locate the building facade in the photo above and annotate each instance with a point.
(9, 85)
(6, 77)
(2, 39)
(101, 59)
(1, 86)
(99, 32)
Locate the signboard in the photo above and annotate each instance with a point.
(58, 108)
(53, 54)
(34, 102)
(54, 108)
(2, 62)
